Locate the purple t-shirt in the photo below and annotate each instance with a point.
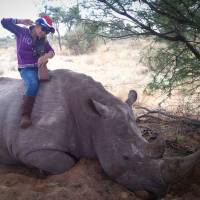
(24, 43)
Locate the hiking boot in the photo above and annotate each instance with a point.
(27, 107)
(25, 121)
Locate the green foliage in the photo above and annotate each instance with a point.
(72, 17)
(69, 17)
(56, 13)
(175, 60)
(7, 42)
(80, 40)
(172, 66)
(109, 26)
(180, 139)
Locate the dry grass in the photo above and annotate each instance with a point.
(115, 64)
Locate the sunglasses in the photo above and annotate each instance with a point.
(45, 29)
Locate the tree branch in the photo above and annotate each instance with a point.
(167, 14)
(177, 37)
(182, 119)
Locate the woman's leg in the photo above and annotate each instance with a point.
(31, 81)
(30, 78)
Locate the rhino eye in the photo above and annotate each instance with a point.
(125, 157)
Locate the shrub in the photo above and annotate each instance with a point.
(7, 42)
(80, 41)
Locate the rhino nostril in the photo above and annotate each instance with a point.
(145, 195)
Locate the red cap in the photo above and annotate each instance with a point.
(48, 20)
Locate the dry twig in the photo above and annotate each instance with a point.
(161, 113)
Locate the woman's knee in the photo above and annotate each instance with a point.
(32, 87)
(31, 81)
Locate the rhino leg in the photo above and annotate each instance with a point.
(52, 161)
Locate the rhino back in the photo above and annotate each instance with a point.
(62, 115)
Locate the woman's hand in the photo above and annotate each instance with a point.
(42, 60)
(26, 22)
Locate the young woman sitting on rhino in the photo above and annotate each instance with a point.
(33, 51)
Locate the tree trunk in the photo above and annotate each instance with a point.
(59, 39)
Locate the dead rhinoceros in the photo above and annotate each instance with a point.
(75, 117)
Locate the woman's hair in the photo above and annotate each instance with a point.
(39, 46)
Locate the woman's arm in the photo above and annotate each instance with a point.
(44, 59)
(50, 54)
(11, 24)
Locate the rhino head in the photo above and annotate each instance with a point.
(129, 159)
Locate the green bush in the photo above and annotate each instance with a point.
(80, 40)
(7, 42)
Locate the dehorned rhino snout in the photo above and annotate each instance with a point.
(174, 169)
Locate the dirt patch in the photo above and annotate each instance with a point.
(119, 71)
(87, 180)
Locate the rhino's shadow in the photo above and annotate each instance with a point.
(23, 170)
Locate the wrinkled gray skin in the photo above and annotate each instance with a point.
(75, 117)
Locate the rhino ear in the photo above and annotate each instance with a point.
(132, 97)
(101, 109)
